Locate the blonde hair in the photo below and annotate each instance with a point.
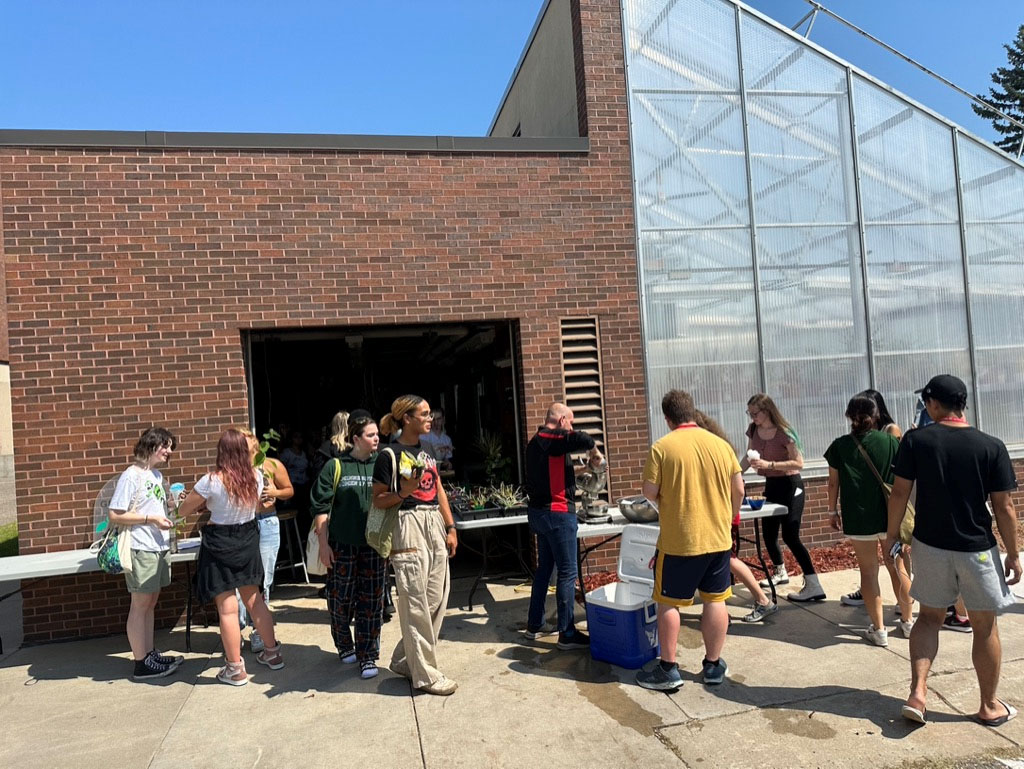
(391, 423)
(339, 431)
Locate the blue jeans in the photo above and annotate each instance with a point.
(556, 548)
(270, 543)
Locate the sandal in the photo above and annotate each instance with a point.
(233, 674)
(1011, 713)
(916, 715)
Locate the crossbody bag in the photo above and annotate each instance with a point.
(907, 526)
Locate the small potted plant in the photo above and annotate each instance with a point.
(497, 466)
(509, 498)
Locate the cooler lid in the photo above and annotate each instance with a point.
(636, 549)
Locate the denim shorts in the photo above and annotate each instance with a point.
(941, 575)
(678, 577)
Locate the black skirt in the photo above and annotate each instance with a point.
(229, 558)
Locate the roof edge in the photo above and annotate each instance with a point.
(14, 137)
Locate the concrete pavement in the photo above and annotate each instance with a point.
(805, 691)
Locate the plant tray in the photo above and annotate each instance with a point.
(507, 512)
(476, 515)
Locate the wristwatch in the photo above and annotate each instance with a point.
(449, 527)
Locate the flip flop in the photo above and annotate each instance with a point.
(1011, 713)
(913, 714)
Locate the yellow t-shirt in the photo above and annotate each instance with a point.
(693, 470)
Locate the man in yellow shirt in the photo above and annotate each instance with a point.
(696, 481)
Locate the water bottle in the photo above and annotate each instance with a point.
(176, 489)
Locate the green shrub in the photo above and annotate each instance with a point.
(8, 539)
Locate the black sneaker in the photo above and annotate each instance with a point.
(171, 660)
(959, 624)
(150, 668)
(576, 640)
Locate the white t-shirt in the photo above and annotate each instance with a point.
(223, 510)
(146, 488)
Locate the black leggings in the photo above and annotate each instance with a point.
(783, 490)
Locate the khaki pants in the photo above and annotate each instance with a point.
(420, 559)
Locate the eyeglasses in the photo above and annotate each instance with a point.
(753, 414)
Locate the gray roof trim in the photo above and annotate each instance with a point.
(278, 141)
(519, 64)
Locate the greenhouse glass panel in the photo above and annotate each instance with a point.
(993, 196)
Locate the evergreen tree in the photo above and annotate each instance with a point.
(1007, 96)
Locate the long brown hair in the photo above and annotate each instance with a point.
(391, 423)
(707, 423)
(764, 403)
(235, 469)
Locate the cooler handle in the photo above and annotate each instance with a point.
(650, 612)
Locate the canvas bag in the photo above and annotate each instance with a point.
(314, 565)
(380, 523)
(907, 527)
(114, 549)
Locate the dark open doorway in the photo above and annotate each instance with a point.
(299, 379)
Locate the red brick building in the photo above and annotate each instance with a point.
(135, 264)
(143, 271)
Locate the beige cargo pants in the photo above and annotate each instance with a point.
(420, 559)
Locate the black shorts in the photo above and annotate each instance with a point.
(678, 577)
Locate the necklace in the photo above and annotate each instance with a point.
(954, 420)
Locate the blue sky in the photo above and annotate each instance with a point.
(386, 67)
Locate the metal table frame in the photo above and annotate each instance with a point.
(746, 514)
(30, 569)
(610, 532)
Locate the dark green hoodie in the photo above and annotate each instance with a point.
(350, 503)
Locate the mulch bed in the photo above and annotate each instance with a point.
(825, 559)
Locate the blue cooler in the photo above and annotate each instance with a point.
(621, 617)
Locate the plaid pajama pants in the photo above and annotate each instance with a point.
(355, 591)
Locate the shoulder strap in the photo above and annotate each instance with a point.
(337, 474)
(394, 468)
(864, 453)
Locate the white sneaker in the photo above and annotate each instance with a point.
(905, 627)
(256, 643)
(781, 577)
(877, 636)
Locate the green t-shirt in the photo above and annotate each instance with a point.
(861, 498)
(347, 507)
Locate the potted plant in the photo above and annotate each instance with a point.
(509, 498)
(497, 466)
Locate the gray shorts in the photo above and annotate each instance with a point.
(941, 575)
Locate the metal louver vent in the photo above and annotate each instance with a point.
(581, 376)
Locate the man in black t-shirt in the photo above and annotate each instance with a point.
(551, 488)
(957, 469)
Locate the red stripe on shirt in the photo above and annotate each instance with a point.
(556, 484)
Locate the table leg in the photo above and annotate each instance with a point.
(760, 558)
(188, 609)
(484, 548)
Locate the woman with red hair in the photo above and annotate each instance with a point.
(229, 558)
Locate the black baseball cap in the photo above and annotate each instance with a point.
(945, 388)
(359, 414)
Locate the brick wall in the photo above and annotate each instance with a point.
(131, 275)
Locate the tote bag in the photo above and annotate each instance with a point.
(381, 522)
(114, 549)
(314, 565)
